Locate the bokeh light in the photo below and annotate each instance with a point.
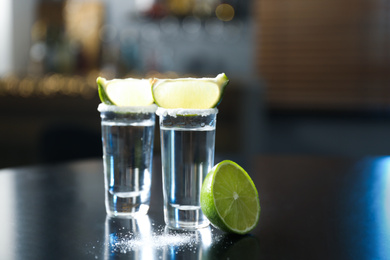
(224, 12)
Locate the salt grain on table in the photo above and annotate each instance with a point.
(130, 242)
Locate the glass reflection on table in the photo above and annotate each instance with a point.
(141, 239)
(138, 238)
(129, 237)
(192, 244)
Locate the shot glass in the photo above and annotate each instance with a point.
(187, 155)
(127, 139)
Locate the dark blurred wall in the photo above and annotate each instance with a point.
(328, 55)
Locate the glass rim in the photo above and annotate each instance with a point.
(127, 109)
(185, 112)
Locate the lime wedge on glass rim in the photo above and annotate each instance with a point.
(189, 93)
(125, 92)
(229, 198)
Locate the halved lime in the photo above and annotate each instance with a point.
(229, 198)
(125, 92)
(189, 93)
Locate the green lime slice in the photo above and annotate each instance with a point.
(125, 92)
(229, 198)
(189, 93)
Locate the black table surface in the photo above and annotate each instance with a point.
(311, 208)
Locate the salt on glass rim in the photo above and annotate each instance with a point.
(183, 112)
(128, 109)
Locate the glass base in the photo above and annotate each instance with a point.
(127, 204)
(134, 212)
(185, 217)
(181, 225)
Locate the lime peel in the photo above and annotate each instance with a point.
(229, 198)
(101, 82)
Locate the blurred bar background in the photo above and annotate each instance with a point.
(307, 77)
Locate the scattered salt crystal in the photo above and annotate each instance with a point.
(174, 112)
(134, 109)
(132, 242)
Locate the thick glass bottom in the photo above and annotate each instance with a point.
(185, 217)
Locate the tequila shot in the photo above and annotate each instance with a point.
(187, 155)
(127, 139)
